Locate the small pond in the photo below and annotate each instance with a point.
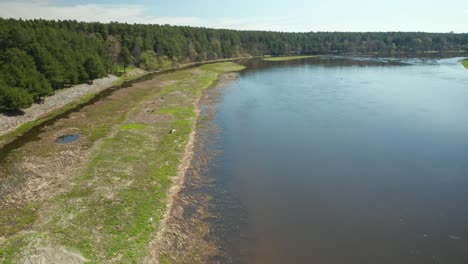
(68, 139)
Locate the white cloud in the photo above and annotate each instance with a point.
(89, 13)
(288, 24)
(48, 9)
(134, 14)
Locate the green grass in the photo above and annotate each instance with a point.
(222, 67)
(16, 219)
(133, 126)
(9, 250)
(287, 58)
(116, 203)
(465, 63)
(120, 68)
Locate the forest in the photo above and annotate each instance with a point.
(38, 57)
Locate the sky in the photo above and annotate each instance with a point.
(272, 15)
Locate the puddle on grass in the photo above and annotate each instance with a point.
(68, 139)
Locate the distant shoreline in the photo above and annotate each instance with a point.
(287, 58)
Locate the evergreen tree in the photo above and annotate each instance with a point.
(126, 57)
(70, 66)
(14, 99)
(49, 66)
(18, 70)
(94, 68)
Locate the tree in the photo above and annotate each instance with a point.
(114, 48)
(149, 60)
(125, 57)
(94, 68)
(19, 37)
(3, 88)
(70, 67)
(83, 75)
(136, 51)
(13, 99)
(49, 66)
(18, 70)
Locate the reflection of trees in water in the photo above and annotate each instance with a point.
(325, 61)
(345, 61)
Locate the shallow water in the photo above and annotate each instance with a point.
(345, 161)
(68, 139)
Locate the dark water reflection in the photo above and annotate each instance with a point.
(347, 161)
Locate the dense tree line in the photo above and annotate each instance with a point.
(39, 56)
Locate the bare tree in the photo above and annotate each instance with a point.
(114, 48)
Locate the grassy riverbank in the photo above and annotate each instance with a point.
(465, 63)
(106, 207)
(287, 58)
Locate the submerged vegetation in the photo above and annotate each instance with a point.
(39, 56)
(110, 207)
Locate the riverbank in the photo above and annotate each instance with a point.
(61, 101)
(185, 235)
(69, 98)
(64, 201)
(465, 63)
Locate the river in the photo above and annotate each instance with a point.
(343, 160)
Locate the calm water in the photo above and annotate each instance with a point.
(346, 161)
(68, 139)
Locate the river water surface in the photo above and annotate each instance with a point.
(337, 160)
